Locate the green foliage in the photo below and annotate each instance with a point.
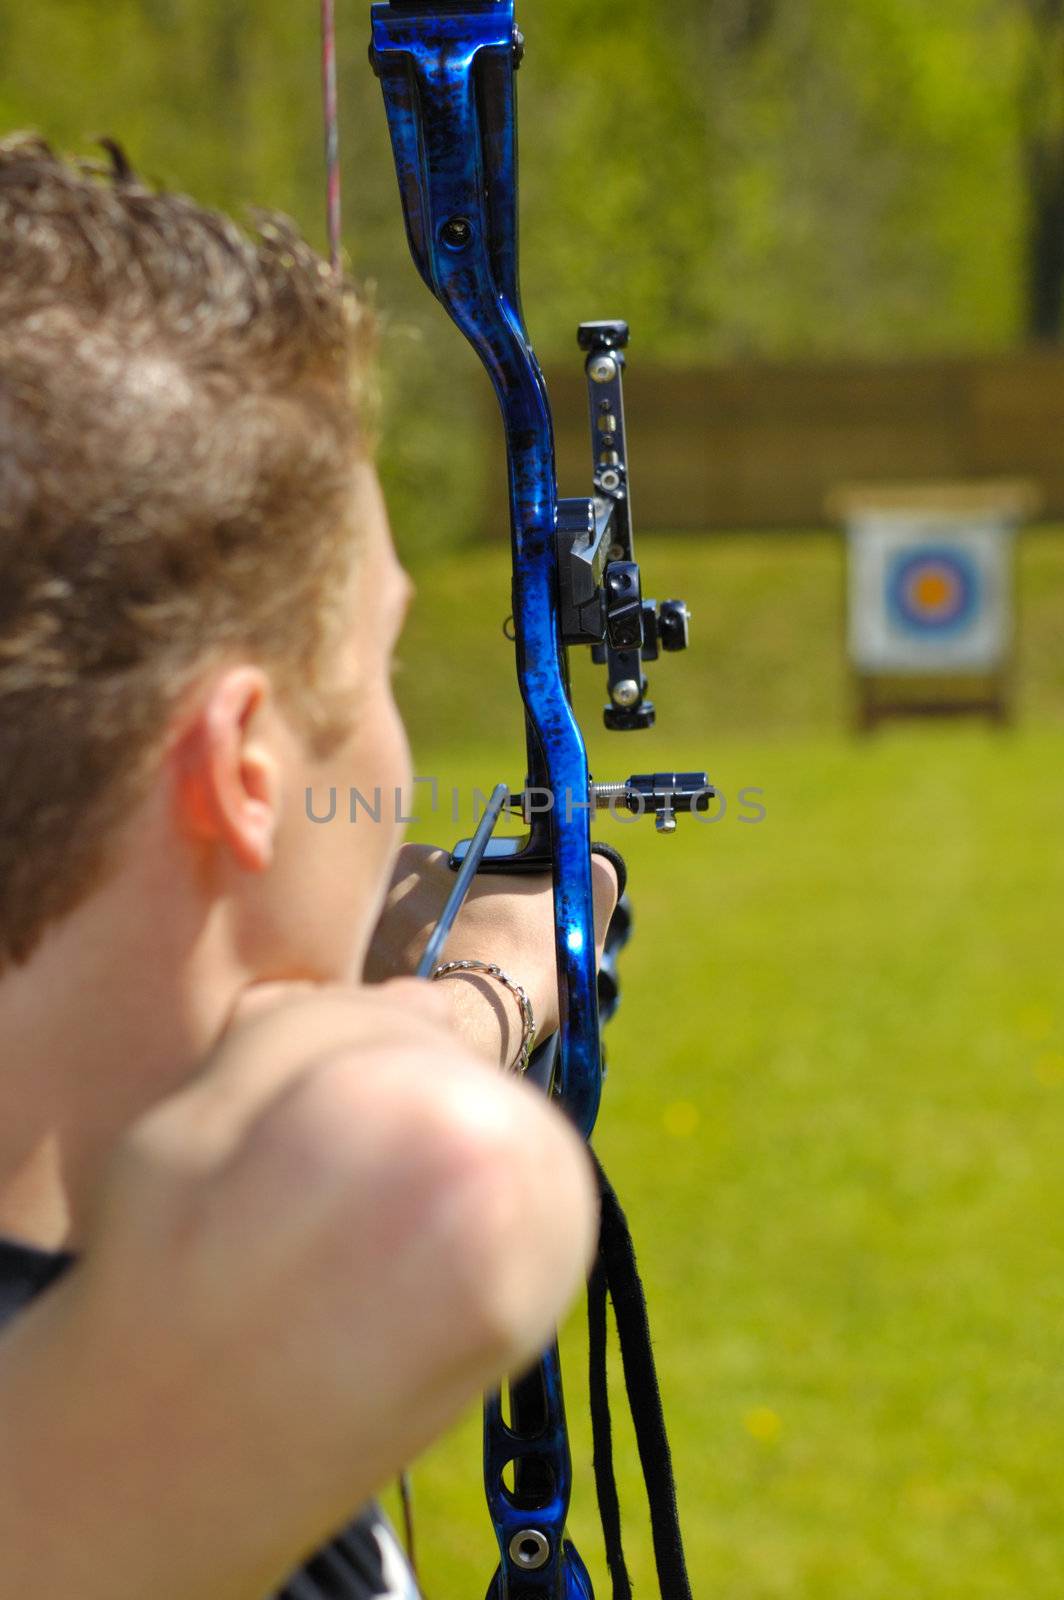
(769, 179)
(744, 178)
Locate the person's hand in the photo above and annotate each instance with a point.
(506, 920)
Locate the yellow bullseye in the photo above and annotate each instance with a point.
(932, 591)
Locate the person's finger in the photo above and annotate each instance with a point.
(604, 887)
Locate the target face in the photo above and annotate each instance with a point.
(933, 590)
(928, 594)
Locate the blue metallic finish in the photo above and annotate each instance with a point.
(447, 72)
(564, 1577)
(454, 163)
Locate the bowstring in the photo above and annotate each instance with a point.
(332, 129)
(330, 106)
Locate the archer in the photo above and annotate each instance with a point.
(265, 1229)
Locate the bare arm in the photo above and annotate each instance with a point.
(302, 1268)
(507, 920)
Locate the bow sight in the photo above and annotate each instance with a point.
(600, 604)
(601, 593)
(601, 596)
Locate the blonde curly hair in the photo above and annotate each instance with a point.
(182, 407)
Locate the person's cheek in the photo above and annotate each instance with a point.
(385, 780)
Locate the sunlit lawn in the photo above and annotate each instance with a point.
(834, 1110)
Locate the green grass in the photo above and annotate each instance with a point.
(835, 1103)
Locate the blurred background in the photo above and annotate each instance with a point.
(834, 1105)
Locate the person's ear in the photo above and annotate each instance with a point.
(226, 779)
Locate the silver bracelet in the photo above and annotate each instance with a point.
(490, 970)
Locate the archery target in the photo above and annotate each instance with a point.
(928, 594)
(932, 590)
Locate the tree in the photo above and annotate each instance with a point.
(1041, 104)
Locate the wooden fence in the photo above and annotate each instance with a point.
(765, 446)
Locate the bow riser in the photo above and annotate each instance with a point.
(448, 82)
(447, 79)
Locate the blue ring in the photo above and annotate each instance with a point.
(958, 566)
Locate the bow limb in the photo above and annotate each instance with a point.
(447, 77)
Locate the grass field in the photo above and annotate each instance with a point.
(835, 1105)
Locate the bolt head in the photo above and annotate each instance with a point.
(625, 692)
(673, 620)
(530, 1549)
(602, 370)
(457, 232)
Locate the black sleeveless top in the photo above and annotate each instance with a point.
(364, 1562)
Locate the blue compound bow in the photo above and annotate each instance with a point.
(447, 69)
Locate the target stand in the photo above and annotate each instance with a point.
(931, 596)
